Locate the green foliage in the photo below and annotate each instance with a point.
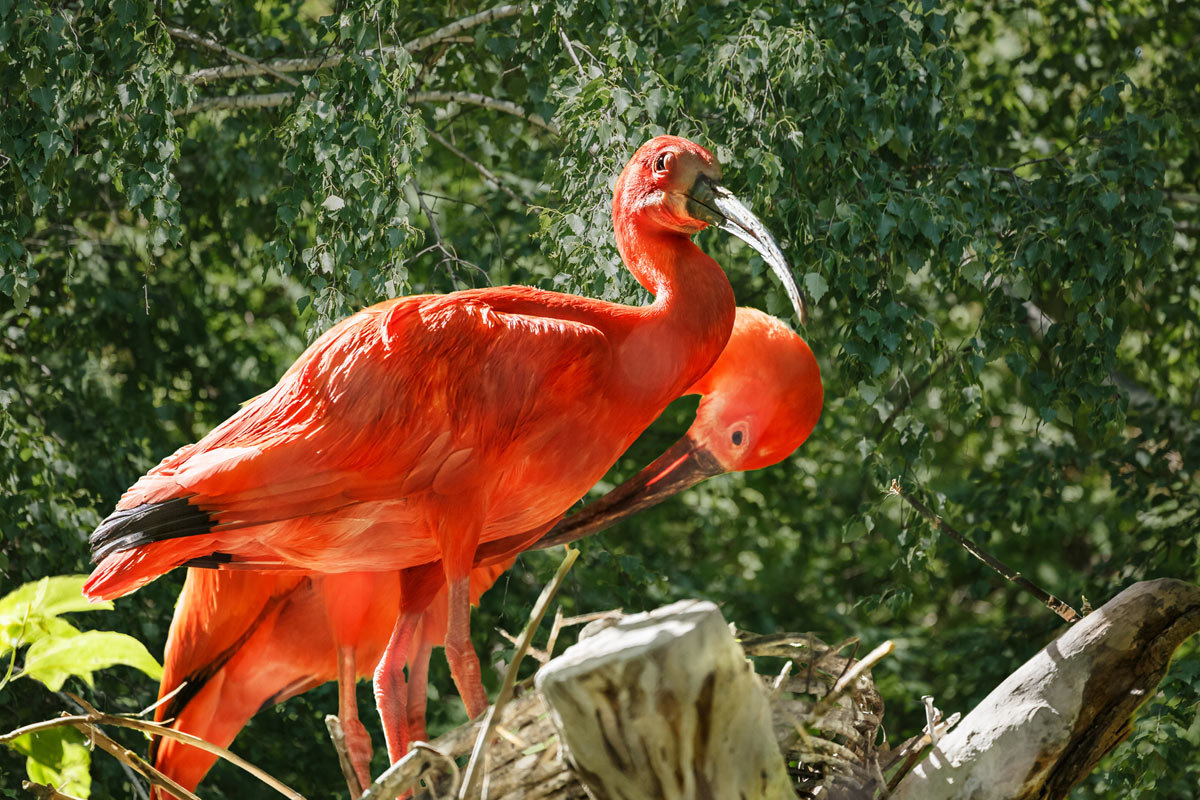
(58, 757)
(29, 615)
(994, 206)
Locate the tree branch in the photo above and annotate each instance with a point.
(1050, 601)
(571, 52)
(133, 760)
(338, 737)
(480, 168)
(211, 44)
(320, 62)
(474, 99)
(94, 717)
(275, 99)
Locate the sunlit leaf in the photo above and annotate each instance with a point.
(52, 661)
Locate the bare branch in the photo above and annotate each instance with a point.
(1050, 601)
(332, 60)
(338, 737)
(849, 677)
(487, 174)
(211, 44)
(474, 99)
(475, 766)
(275, 99)
(571, 52)
(94, 717)
(454, 28)
(44, 792)
(82, 705)
(133, 760)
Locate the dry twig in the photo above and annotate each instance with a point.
(338, 737)
(475, 766)
(1050, 601)
(87, 722)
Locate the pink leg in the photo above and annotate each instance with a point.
(464, 663)
(418, 681)
(391, 691)
(358, 741)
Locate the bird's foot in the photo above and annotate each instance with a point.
(358, 748)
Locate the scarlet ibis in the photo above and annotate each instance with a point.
(761, 399)
(416, 429)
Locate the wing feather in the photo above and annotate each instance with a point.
(405, 401)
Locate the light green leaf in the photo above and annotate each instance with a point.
(57, 757)
(16, 634)
(49, 597)
(53, 660)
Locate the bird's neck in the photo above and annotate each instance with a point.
(682, 332)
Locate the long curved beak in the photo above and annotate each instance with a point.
(682, 466)
(715, 205)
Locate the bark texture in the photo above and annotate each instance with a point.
(664, 706)
(1047, 725)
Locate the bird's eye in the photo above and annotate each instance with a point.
(737, 438)
(664, 162)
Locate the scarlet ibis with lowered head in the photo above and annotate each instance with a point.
(421, 427)
(761, 400)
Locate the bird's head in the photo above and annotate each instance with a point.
(762, 397)
(672, 185)
(761, 400)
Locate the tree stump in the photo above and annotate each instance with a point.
(1047, 725)
(665, 706)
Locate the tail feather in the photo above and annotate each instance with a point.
(149, 522)
(125, 571)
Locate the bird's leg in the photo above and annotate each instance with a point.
(418, 681)
(418, 586)
(358, 741)
(464, 663)
(459, 526)
(391, 692)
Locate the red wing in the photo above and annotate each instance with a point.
(409, 398)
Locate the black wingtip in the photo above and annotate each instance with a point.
(149, 522)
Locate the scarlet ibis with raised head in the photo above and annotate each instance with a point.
(761, 400)
(416, 429)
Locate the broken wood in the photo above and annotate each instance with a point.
(828, 736)
(1045, 728)
(664, 705)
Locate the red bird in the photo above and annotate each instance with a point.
(761, 400)
(422, 427)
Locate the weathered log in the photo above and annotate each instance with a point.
(664, 705)
(828, 738)
(1048, 724)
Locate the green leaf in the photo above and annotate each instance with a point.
(49, 597)
(19, 634)
(816, 285)
(58, 757)
(126, 10)
(887, 223)
(52, 661)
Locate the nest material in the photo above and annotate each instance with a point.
(829, 739)
(832, 744)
